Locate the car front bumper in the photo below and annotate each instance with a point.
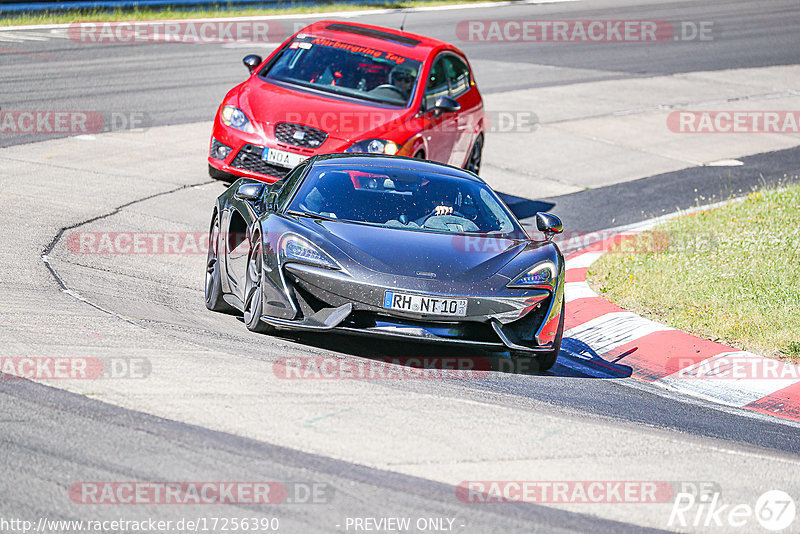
(509, 319)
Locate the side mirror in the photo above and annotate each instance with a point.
(548, 224)
(249, 192)
(446, 104)
(252, 62)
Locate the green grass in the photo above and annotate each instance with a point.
(171, 13)
(729, 274)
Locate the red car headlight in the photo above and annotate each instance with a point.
(235, 118)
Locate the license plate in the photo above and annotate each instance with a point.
(422, 304)
(282, 157)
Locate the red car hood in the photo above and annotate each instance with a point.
(267, 104)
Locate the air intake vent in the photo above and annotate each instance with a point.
(299, 135)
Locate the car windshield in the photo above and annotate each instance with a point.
(346, 69)
(402, 198)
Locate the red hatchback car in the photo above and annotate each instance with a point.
(345, 87)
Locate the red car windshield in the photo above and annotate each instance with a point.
(346, 69)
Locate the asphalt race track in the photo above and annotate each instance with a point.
(207, 403)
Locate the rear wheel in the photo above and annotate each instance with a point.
(213, 289)
(546, 360)
(419, 155)
(475, 156)
(254, 290)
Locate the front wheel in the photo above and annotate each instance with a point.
(473, 163)
(213, 289)
(254, 290)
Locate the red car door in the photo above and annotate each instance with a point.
(441, 129)
(459, 80)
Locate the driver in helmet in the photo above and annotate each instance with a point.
(403, 77)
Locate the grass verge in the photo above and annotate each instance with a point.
(173, 13)
(729, 274)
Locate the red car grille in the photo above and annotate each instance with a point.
(299, 135)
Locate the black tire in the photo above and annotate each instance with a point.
(253, 290)
(419, 155)
(221, 175)
(213, 286)
(546, 360)
(475, 156)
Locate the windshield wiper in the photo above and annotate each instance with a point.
(310, 215)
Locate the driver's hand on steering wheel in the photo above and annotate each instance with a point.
(444, 210)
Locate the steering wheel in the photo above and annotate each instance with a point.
(422, 220)
(393, 88)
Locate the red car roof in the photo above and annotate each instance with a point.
(407, 44)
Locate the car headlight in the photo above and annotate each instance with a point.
(542, 274)
(295, 248)
(235, 118)
(375, 146)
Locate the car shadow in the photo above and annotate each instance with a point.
(446, 359)
(587, 362)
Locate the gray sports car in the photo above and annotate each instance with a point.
(387, 246)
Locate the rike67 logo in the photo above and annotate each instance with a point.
(774, 510)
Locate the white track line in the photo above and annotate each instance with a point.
(30, 36)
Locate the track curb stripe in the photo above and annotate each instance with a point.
(784, 403)
(613, 339)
